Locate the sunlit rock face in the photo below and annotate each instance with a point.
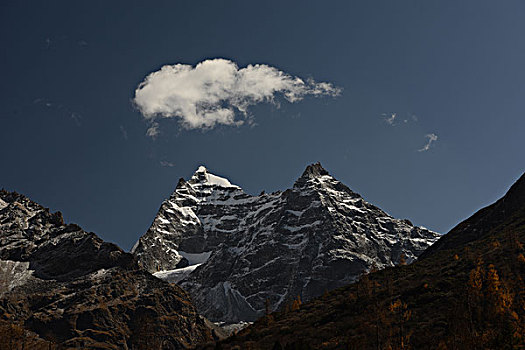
(233, 251)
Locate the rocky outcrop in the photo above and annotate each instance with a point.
(235, 253)
(72, 289)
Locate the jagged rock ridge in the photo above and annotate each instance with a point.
(69, 288)
(233, 251)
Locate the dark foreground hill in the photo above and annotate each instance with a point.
(62, 287)
(467, 292)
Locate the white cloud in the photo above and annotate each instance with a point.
(390, 120)
(431, 139)
(216, 92)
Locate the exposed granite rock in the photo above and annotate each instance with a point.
(317, 236)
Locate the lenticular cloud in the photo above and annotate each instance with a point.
(216, 92)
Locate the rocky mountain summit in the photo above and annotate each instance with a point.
(62, 287)
(236, 253)
(468, 293)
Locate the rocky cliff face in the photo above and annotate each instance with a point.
(72, 289)
(233, 251)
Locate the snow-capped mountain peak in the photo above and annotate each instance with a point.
(317, 236)
(202, 177)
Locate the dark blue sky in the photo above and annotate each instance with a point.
(72, 140)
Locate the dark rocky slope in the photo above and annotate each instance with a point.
(63, 287)
(484, 221)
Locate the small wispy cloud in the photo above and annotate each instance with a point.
(216, 92)
(153, 130)
(390, 119)
(50, 42)
(393, 118)
(167, 164)
(59, 107)
(403, 121)
(431, 139)
(124, 132)
(77, 118)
